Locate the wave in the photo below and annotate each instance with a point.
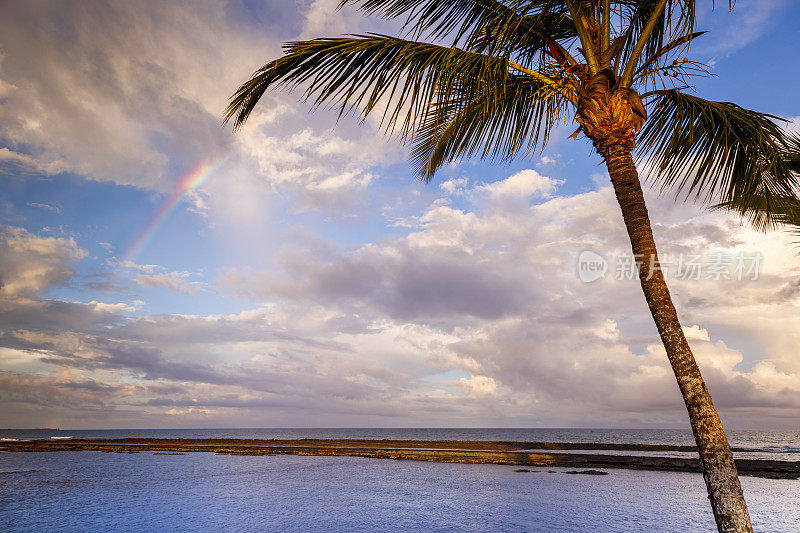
(779, 449)
(60, 438)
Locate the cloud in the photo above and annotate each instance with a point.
(14, 158)
(126, 263)
(469, 312)
(427, 276)
(504, 282)
(454, 186)
(360, 335)
(747, 22)
(374, 334)
(46, 207)
(119, 307)
(49, 393)
(326, 167)
(29, 263)
(175, 281)
(110, 104)
(524, 184)
(480, 386)
(326, 17)
(139, 104)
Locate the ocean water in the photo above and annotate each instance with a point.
(109, 492)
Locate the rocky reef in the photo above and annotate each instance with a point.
(527, 454)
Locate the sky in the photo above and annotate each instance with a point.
(158, 269)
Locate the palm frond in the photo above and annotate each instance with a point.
(357, 72)
(524, 38)
(792, 153)
(486, 26)
(669, 47)
(718, 151)
(363, 72)
(767, 213)
(780, 211)
(454, 19)
(500, 122)
(579, 13)
(676, 20)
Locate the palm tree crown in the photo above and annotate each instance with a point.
(499, 76)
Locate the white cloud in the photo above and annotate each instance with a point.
(748, 21)
(325, 167)
(324, 17)
(46, 207)
(480, 386)
(524, 184)
(198, 202)
(175, 281)
(10, 156)
(126, 263)
(112, 308)
(30, 263)
(794, 125)
(454, 186)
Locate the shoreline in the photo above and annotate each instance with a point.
(467, 452)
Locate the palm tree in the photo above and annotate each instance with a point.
(492, 78)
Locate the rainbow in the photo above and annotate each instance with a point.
(187, 183)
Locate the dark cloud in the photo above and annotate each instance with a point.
(404, 283)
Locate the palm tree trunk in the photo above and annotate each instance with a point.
(719, 470)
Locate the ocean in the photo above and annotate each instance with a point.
(93, 491)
